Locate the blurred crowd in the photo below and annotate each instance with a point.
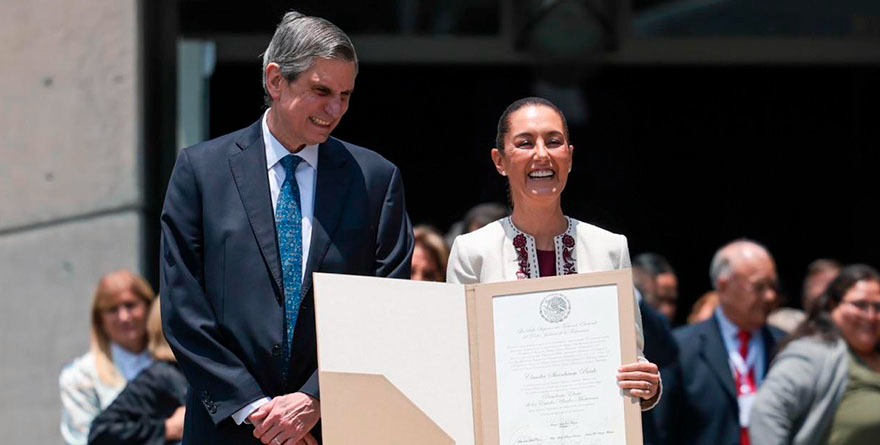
(745, 367)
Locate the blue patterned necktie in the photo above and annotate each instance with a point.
(288, 219)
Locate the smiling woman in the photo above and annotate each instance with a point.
(117, 354)
(532, 149)
(831, 361)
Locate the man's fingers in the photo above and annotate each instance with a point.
(275, 432)
(261, 427)
(258, 418)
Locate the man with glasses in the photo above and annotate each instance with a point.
(722, 361)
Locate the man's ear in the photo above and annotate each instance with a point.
(723, 283)
(274, 80)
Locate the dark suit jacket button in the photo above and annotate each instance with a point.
(276, 350)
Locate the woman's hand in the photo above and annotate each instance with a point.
(642, 379)
(174, 425)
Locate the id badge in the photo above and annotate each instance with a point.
(745, 402)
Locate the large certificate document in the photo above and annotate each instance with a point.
(556, 358)
(530, 362)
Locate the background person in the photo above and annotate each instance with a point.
(655, 278)
(430, 254)
(819, 273)
(723, 360)
(824, 386)
(149, 411)
(476, 217)
(703, 308)
(117, 353)
(660, 349)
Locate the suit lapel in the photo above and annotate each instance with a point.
(250, 172)
(770, 340)
(715, 354)
(331, 190)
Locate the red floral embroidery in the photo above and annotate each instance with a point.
(568, 262)
(522, 257)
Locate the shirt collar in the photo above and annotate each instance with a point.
(129, 363)
(275, 151)
(727, 327)
(729, 331)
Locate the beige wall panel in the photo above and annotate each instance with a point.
(47, 279)
(69, 120)
(70, 189)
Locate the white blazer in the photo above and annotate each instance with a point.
(487, 255)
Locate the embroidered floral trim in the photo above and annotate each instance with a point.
(526, 255)
(522, 257)
(569, 266)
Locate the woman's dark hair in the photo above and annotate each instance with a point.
(504, 125)
(818, 322)
(504, 121)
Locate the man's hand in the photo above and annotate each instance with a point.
(287, 420)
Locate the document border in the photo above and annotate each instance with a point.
(481, 328)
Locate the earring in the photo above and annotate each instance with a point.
(503, 173)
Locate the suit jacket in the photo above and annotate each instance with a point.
(662, 350)
(221, 289)
(137, 416)
(798, 400)
(699, 404)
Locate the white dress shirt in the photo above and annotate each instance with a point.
(306, 178)
(729, 332)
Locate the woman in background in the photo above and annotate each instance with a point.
(149, 411)
(118, 352)
(824, 386)
(430, 254)
(703, 308)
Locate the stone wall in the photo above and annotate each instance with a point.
(71, 193)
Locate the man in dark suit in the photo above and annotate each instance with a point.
(655, 278)
(708, 394)
(247, 218)
(660, 349)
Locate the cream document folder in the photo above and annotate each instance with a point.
(513, 363)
